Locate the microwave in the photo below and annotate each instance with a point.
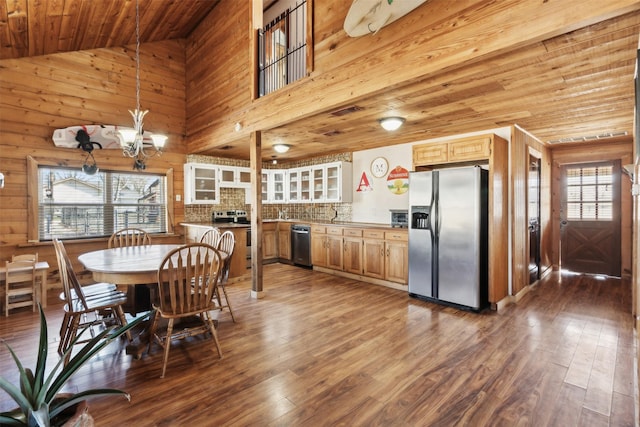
(399, 217)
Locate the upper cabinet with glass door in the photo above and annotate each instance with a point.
(299, 185)
(235, 177)
(274, 186)
(331, 182)
(201, 184)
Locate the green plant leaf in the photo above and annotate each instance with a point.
(43, 349)
(84, 395)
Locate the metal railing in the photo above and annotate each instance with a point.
(283, 50)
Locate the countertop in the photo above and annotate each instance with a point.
(225, 225)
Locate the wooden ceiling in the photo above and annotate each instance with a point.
(574, 87)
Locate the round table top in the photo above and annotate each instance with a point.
(126, 260)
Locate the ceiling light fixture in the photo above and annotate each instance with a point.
(132, 141)
(391, 123)
(281, 148)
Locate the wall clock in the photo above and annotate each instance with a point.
(379, 167)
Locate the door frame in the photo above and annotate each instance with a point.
(566, 154)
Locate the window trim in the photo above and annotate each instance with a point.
(32, 192)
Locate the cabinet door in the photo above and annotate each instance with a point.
(396, 261)
(265, 187)
(305, 185)
(269, 242)
(244, 177)
(373, 259)
(278, 186)
(429, 154)
(319, 249)
(317, 184)
(201, 184)
(334, 252)
(284, 240)
(294, 186)
(352, 254)
(227, 176)
(472, 149)
(333, 184)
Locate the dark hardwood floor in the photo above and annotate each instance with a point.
(322, 350)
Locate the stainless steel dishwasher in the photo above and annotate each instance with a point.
(301, 244)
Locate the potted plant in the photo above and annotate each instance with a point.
(39, 400)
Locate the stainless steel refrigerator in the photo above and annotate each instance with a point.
(448, 238)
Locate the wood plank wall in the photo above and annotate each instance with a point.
(582, 153)
(521, 143)
(343, 69)
(44, 93)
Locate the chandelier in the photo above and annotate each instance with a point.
(134, 142)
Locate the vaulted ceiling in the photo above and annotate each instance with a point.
(574, 87)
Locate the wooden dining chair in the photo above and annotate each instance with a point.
(20, 287)
(138, 295)
(129, 237)
(84, 310)
(211, 237)
(226, 244)
(187, 281)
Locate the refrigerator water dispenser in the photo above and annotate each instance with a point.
(420, 217)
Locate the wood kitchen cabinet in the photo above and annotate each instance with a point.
(335, 253)
(319, 245)
(326, 247)
(269, 241)
(352, 248)
(459, 150)
(386, 255)
(284, 241)
(396, 260)
(373, 253)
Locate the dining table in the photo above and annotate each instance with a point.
(134, 266)
(129, 265)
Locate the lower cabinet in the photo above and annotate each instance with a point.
(396, 262)
(335, 256)
(386, 255)
(269, 241)
(352, 248)
(375, 253)
(284, 241)
(319, 245)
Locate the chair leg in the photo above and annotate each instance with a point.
(152, 332)
(123, 321)
(214, 334)
(167, 346)
(64, 330)
(71, 335)
(226, 297)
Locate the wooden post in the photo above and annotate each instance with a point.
(256, 214)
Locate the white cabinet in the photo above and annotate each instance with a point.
(201, 184)
(274, 186)
(331, 182)
(235, 177)
(299, 185)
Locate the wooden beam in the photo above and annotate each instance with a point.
(256, 214)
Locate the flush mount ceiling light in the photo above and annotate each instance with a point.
(281, 148)
(391, 123)
(131, 140)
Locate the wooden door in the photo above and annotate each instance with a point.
(533, 213)
(590, 218)
(335, 252)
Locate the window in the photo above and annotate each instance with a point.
(590, 193)
(72, 204)
(283, 56)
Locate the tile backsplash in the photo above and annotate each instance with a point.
(234, 198)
